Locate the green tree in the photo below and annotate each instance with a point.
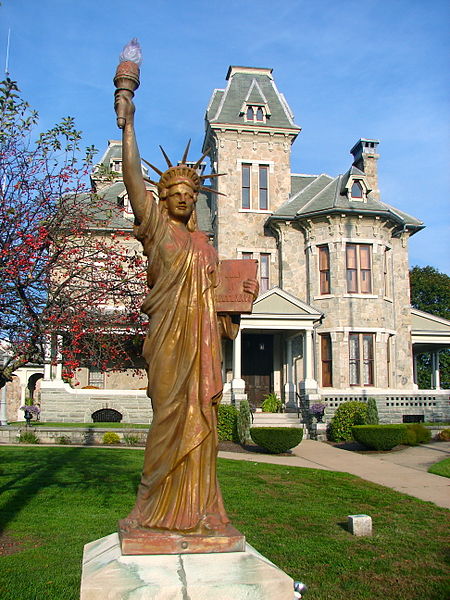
(430, 292)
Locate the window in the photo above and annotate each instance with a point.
(324, 269)
(386, 280)
(96, 378)
(359, 271)
(246, 186)
(255, 113)
(361, 359)
(263, 191)
(254, 195)
(264, 262)
(325, 351)
(388, 360)
(357, 190)
(264, 268)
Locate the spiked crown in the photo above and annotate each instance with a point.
(181, 173)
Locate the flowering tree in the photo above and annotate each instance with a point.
(64, 269)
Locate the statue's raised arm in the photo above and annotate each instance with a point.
(131, 160)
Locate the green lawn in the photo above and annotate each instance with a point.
(441, 468)
(54, 500)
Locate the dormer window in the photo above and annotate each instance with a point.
(255, 114)
(116, 165)
(357, 190)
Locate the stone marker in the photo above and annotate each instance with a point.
(360, 525)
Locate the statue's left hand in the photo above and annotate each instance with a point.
(251, 286)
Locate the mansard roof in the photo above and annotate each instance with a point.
(315, 195)
(253, 86)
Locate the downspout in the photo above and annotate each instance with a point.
(276, 229)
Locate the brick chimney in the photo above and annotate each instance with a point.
(365, 158)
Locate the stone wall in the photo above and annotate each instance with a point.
(62, 404)
(238, 230)
(433, 405)
(385, 312)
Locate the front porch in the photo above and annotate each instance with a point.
(273, 352)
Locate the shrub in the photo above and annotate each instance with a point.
(372, 412)
(271, 403)
(131, 440)
(111, 438)
(444, 435)
(244, 420)
(379, 437)
(416, 434)
(63, 440)
(276, 439)
(227, 423)
(28, 437)
(346, 416)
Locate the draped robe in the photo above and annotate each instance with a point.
(179, 488)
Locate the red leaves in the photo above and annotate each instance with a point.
(59, 274)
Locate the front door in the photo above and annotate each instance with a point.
(257, 366)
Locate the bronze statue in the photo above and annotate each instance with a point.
(179, 493)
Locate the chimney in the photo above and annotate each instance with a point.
(365, 158)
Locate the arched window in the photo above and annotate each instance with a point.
(259, 114)
(250, 113)
(357, 190)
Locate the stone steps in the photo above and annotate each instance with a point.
(261, 419)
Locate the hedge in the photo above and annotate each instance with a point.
(379, 437)
(347, 415)
(227, 423)
(276, 439)
(416, 433)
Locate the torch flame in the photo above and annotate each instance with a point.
(132, 52)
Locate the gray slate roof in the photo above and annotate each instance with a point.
(112, 217)
(313, 195)
(249, 86)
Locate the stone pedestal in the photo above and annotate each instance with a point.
(319, 432)
(233, 575)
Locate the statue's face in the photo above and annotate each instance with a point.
(180, 202)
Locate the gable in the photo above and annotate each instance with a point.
(279, 302)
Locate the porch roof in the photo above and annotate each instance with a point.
(279, 310)
(429, 332)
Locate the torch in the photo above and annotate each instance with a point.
(127, 73)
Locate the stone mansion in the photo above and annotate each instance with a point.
(333, 320)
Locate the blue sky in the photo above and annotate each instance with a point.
(349, 69)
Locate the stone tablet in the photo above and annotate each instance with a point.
(230, 297)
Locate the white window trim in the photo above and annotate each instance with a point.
(254, 176)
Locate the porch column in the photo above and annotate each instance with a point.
(435, 371)
(289, 386)
(47, 359)
(237, 384)
(58, 371)
(309, 384)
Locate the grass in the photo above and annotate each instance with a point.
(441, 468)
(85, 425)
(55, 500)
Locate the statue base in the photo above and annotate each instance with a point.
(139, 540)
(239, 575)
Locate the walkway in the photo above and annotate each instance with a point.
(403, 471)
